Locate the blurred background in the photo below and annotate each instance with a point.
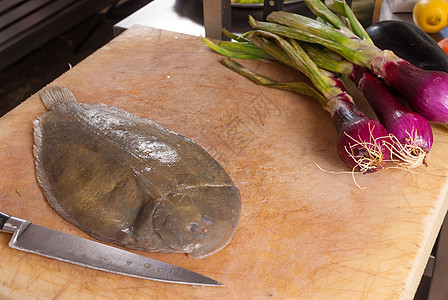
(42, 39)
(71, 36)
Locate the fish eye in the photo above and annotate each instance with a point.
(206, 219)
(193, 227)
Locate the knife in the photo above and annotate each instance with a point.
(47, 242)
(270, 6)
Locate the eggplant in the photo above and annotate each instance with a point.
(410, 43)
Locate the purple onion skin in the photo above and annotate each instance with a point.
(421, 136)
(426, 91)
(393, 115)
(352, 126)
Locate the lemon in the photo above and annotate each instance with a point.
(431, 15)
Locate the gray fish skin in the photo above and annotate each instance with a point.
(129, 181)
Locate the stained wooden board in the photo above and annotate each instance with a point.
(305, 232)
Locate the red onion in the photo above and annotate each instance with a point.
(425, 90)
(362, 142)
(411, 134)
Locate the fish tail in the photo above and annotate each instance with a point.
(55, 95)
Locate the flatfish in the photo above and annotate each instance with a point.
(127, 180)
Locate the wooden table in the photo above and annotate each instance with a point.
(305, 232)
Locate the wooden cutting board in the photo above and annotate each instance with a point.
(305, 232)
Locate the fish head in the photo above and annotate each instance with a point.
(202, 223)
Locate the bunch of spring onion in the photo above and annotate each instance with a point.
(426, 91)
(362, 142)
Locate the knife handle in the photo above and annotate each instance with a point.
(3, 219)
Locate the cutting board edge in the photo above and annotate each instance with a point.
(431, 232)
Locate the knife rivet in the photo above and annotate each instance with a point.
(147, 265)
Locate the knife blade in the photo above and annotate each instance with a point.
(51, 243)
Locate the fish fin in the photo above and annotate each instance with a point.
(153, 192)
(55, 95)
(42, 175)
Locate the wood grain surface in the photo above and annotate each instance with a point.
(305, 232)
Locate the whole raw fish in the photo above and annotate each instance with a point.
(129, 181)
